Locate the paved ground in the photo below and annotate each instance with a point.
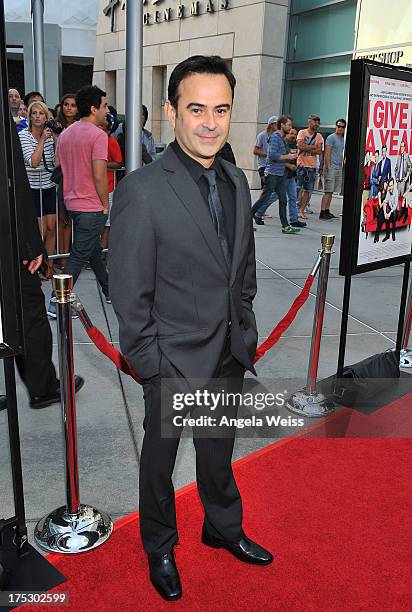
(110, 406)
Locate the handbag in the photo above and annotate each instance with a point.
(57, 175)
(364, 380)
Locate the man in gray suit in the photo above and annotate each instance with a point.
(182, 280)
(402, 168)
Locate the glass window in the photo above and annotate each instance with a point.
(327, 97)
(326, 31)
(306, 5)
(319, 67)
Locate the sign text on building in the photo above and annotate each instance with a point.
(180, 11)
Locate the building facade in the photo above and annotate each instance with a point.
(249, 36)
(324, 36)
(287, 55)
(320, 45)
(69, 41)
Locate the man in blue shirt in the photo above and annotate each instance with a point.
(275, 176)
(332, 168)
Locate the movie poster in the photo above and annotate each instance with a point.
(386, 211)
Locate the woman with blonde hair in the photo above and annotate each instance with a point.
(37, 142)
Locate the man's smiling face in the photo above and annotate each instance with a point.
(202, 119)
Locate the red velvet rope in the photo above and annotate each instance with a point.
(111, 352)
(122, 364)
(287, 320)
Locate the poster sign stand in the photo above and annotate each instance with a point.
(377, 207)
(22, 568)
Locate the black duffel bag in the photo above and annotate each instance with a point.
(362, 381)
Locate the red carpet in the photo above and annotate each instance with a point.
(333, 511)
(391, 421)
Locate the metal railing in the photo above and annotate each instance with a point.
(61, 214)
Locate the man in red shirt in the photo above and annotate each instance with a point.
(82, 154)
(114, 162)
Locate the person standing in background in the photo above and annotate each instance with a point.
(260, 149)
(275, 176)
(226, 152)
(37, 143)
(66, 116)
(290, 176)
(147, 137)
(332, 168)
(33, 96)
(82, 154)
(14, 105)
(23, 110)
(35, 365)
(310, 145)
(114, 162)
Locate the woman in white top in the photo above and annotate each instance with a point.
(37, 143)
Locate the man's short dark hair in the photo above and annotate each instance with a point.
(283, 119)
(88, 96)
(145, 113)
(340, 121)
(30, 95)
(198, 64)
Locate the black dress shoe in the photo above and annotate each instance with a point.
(298, 224)
(245, 550)
(164, 575)
(3, 402)
(42, 401)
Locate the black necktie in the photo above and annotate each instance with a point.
(216, 211)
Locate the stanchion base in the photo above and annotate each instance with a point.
(309, 405)
(405, 360)
(73, 533)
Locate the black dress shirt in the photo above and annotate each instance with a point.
(225, 187)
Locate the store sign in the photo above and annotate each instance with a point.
(180, 11)
(157, 15)
(110, 11)
(401, 56)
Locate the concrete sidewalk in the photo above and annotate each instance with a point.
(110, 406)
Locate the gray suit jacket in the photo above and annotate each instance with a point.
(406, 167)
(168, 283)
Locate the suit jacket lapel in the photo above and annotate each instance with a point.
(188, 193)
(240, 220)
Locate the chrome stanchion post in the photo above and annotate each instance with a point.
(309, 402)
(406, 353)
(75, 527)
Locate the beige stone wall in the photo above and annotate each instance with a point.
(249, 33)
